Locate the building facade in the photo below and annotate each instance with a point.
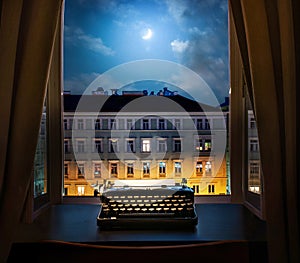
(143, 137)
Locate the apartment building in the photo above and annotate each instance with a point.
(136, 136)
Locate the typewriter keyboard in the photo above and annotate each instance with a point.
(148, 206)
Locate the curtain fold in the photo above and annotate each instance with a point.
(28, 35)
(270, 40)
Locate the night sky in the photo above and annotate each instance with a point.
(100, 35)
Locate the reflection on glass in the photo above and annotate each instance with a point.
(40, 159)
(254, 167)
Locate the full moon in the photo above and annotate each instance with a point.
(148, 34)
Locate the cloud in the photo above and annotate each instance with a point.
(78, 37)
(179, 46)
(79, 83)
(205, 25)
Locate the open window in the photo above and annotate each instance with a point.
(153, 71)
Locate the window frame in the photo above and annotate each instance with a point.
(236, 121)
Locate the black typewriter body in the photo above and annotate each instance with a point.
(157, 207)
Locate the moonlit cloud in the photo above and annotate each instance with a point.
(205, 22)
(79, 83)
(78, 37)
(179, 46)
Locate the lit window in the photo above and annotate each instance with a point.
(203, 145)
(80, 189)
(199, 145)
(177, 168)
(146, 168)
(207, 167)
(146, 147)
(207, 145)
(199, 168)
(162, 168)
(97, 169)
(254, 176)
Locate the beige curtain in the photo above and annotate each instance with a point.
(267, 38)
(27, 33)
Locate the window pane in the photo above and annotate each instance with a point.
(254, 167)
(40, 159)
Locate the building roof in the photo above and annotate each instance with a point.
(133, 103)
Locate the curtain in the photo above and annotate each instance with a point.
(27, 33)
(267, 43)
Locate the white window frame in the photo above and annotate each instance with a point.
(95, 164)
(80, 145)
(176, 172)
(175, 142)
(146, 172)
(162, 170)
(148, 122)
(81, 172)
(98, 124)
(111, 143)
(146, 145)
(66, 124)
(199, 167)
(253, 145)
(111, 164)
(177, 124)
(128, 127)
(67, 145)
(129, 166)
(95, 149)
(161, 124)
(113, 124)
(80, 124)
(208, 167)
(127, 148)
(162, 145)
(80, 190)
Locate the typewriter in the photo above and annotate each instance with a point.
(149, 207)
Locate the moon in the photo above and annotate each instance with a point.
(148, 34)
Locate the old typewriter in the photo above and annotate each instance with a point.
(147, 207)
